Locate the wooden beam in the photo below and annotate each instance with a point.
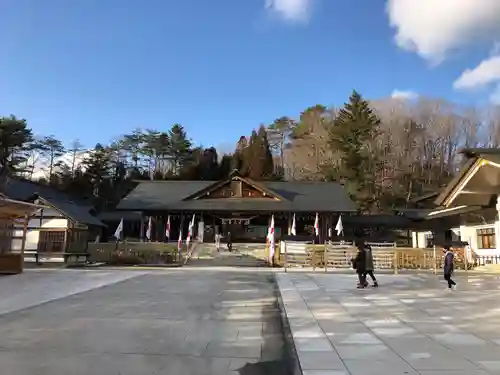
(66, 244)
(141, 234)
(482, 191)
(25, 231)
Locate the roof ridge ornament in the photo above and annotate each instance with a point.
(235, 173)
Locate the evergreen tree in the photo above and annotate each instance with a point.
(237, 161)
(350, 133)
(265, 154)
(208, 165)
(250, 158)
(14, 137)
(97, 166)
(256, 158)
(225, 166)
(180, 147)
(190, 168)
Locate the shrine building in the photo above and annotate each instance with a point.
(237, 204)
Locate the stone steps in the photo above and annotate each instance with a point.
(207, 255)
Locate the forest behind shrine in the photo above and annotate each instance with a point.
(385, 152)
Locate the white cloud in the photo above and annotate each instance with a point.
(495, 50)
(487, 72)
(404, 94)
(431, 28)
(41, 169)
(290, 10)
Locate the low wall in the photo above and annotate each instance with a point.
(131, 253)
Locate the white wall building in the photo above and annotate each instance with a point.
(61, 226)
(481, 238)
(54, 231)
(472, 198)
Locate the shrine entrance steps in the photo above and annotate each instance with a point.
(243, 255)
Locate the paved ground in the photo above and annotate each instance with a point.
(188, 321)
(210, 318)
(410, 325)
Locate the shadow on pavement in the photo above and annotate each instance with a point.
(277, 357)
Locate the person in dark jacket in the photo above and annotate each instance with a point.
(229, 242)
(369, 264)
(359, 264)
(448, 266)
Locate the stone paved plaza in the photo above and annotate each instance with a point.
(410, 325)
(225, 320)
(188, 321)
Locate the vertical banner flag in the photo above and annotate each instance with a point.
(294, 228)
(179, 243)
(119, 230)
(339, 227)
(316, 225)
(270, 237)
(149, 230)
(190, 231)
(167, 228)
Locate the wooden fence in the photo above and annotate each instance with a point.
(339, 256)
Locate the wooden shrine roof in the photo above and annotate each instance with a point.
(281, 197)
(12, 209)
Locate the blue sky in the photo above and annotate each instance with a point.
(97, 69)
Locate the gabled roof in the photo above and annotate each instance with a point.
(474, 157)
(441, 212)
(392, 221)
(73, 211)
(448, 190)
(297, 196)
(128, 216)
(425, 197)
(412, 213)
(24, 190)
(234, 176)
(478, 152)
(13, 209)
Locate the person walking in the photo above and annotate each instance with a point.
(448, 267)
(229, 242)
(359, 264)
(369, 264)
(217, 242)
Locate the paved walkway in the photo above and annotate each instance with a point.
(410, 325)
(188, 321)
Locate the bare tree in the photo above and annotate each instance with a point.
(75, 148)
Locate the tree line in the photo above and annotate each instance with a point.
(107, 172)
(385, 152)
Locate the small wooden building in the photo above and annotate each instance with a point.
(56, 229)
(13, 213)
(62, 225)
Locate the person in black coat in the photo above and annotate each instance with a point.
(229, 242)
(448, 266)
(359, 264)
(369, 264)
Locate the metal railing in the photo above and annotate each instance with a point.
(483, 260)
